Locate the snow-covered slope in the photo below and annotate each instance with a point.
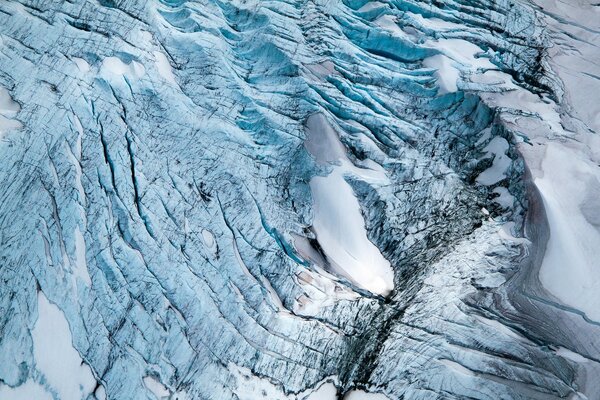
(299, 199)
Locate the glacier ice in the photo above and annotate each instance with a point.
(300, 199)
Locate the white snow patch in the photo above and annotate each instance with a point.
(7, 124)
(571, 355)
(497, 147)
(371, 5)
(252, 387)
(30, 390)
(337, 220)
(501, 328)
(8, 107)
(463, 52)
(55, 356)
(164, 67)
(447, 74)
(571, 266)
(208, 238)
(434, 23)
(158, 389)
(8, 111)
(504, 199)
(82, 65)
(319, 291)
(113, 66)
(506, 232)
(361, 395)
(327, 391)
(100, 393)
(81, 268)
(456, 367)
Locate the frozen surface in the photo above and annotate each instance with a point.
(29, 390)
(446, 73)
(338, 221)
(571, 267)
(291, 200)
(55, 357)
(497, 150)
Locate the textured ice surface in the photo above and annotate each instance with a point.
(299, 199)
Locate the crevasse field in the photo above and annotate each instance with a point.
(299, 199)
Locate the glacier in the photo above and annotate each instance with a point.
(299, 199)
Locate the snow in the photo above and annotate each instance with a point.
(30, 390)
(55, 356)
(8, 111)
(158, 389)
(82, 65)
(208, 238)
(504, 199)
(326, 391)
(496, 148)
(100, 393)
(113, 66)
(320, 291)
(251, 387)
(571, 355)
(456, 367)
(447, 74)
(571, 266)
(81, 269)
(467, 54)
(434, 23)
(8, 107)
(164, 67)
(7, 124)
(456, 56)
(337, 218)
(371, 5)
(361, 395)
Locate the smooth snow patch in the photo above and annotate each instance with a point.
(506, 232)
(164, 67)
(55, 356)
(571, 355)
(571, 266)
(30, 390)
(500, 327)
(337, 220)
(360, 395)
(82, 65)
(208, 238)
(8, 107)
(7, 124)
(447, 74)
(456, 367)
(496, 148)
(81, 268)
(504, 199)
(100, 393)
(252, 387)
(434, 23)
(327, 391)
(465, 53)
(113, 66)
(158, 389)
(319, 291)
(8, 111)
(371, 5)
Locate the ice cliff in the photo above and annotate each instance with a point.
(301, 199)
